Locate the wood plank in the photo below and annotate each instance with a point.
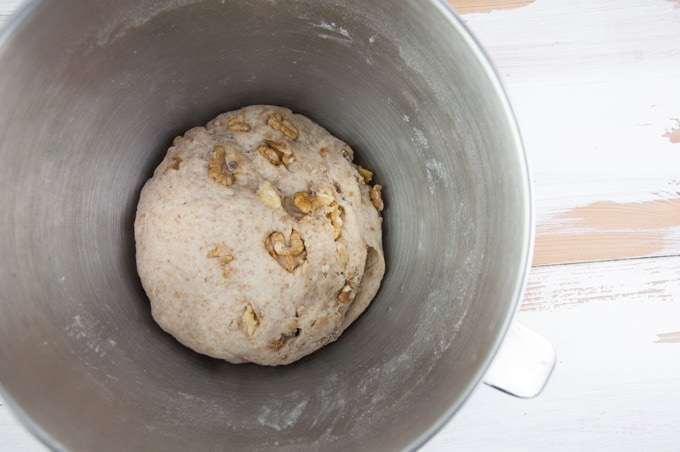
(566, 286)
(673, 133)
(614, 326)
(594, 88)
(485, 6)
(668, 338)
(606, 230)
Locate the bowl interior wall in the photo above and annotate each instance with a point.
(94, 97)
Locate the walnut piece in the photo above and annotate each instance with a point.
(366, 174)
(289, 255)
(249, 321)
(324, 197)
(346, 294)
(276, 153)
(278, 344)
(277, 122)
(224, 258)
(284, 338)
(215, 252)
(303, 201)
(376, 197)
(324, 200)
(238, 124)
(176, 161)
(334, 213)
(320, 322)
(269, 195)
(308, 202)
(219, 169)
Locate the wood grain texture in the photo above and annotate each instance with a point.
(594, 88)
(673, 134)
(566, 286)
(485, 6)
(616, 330)
(668, 338)
(606, 230)
(615, 387)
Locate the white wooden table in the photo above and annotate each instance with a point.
(596, 88)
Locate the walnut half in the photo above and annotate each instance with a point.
(238, 124)
(276, 153)
(277, 122)
(289, 255)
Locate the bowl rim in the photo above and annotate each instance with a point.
(483, 58)
(528, 240)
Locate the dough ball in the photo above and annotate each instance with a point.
(258, 240)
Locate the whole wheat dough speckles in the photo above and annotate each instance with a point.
(258, 240)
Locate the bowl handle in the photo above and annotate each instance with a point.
(523, 363)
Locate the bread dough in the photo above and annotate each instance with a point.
(257, 238)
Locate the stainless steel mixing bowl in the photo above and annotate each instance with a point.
(92, 94)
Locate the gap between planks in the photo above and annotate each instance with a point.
(567, 286)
